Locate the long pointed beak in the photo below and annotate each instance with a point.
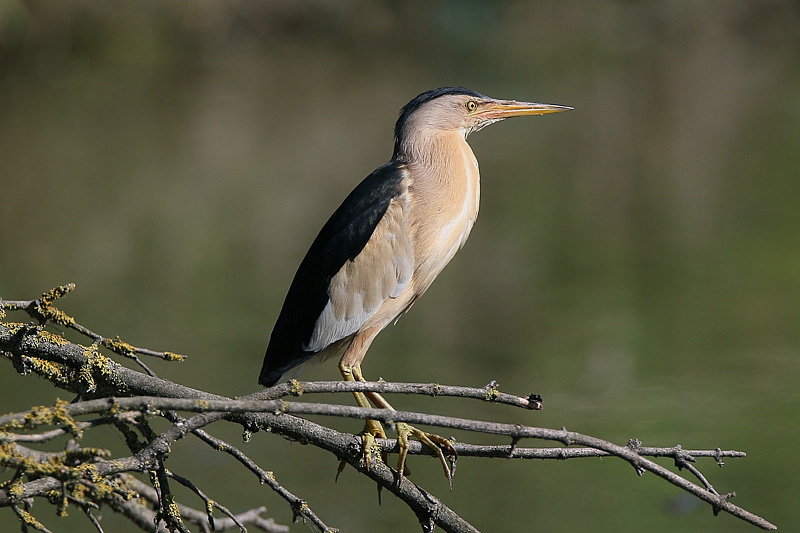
(500, 109)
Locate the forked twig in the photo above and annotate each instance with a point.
(43, 310)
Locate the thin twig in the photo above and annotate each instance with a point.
(42, 309)
(87, 507)
(209, 503)
(507, 452)
(167, 508)
(252, 516)
(489, 393)
(27, 519)
(53, 433)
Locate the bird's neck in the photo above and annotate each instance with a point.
(443, 164)
(445, 186)
(431, 149)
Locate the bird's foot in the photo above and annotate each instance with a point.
(369, 449)
(372, 430)
(437, 443)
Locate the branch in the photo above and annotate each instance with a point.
(253, 516)
(42, 310)
(489, 393)
(125, 398)
(514, 431)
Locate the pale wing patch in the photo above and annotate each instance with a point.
(402, 265)
(382, 270)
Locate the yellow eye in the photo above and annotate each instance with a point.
(471, 106)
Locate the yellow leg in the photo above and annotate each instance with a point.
(435, 442)
(372, 428)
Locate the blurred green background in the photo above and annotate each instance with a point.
(636, 261)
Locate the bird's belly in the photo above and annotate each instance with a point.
(434, 247)
(444, 245)
(445, 233)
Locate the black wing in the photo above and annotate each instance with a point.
(341, 239)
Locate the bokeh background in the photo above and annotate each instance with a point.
(636, 260)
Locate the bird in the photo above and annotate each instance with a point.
(386, 243)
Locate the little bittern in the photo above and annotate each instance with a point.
(383, 247)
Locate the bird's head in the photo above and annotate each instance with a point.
(457, 109)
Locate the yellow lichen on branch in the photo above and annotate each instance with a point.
(53, 338)
(57, 292)
(55, 464)
(297, 388)
(119, 346)
(28, 519)
(95, 363)
(42, 415)
(45, 311)
(172, 356)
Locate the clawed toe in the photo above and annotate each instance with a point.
(372, 430)
(437, 443)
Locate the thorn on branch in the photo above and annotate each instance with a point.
(635, 445)
(426, 517)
